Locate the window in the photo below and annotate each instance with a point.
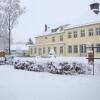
(90, 32)
(97, 31)
(75, 48)
(55, 49)
(48, 50)
(53, 39)
(75, 34)
(61, 50)
(82, 33)
(98, 49)
(34, 50)
(61, 38)
(69, 49)
(69, 35)
(43, 50)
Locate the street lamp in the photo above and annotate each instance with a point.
(95, 7)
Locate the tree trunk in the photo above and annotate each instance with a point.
(9, 37)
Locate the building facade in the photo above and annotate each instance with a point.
(68, 41)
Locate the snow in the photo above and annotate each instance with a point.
(87, 24)
(29, 85)
(82, 60)
(25, 85)
(57, 59)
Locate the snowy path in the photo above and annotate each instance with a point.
(24, 85)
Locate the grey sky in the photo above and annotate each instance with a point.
(53, 13)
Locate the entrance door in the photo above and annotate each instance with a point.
(83, 50)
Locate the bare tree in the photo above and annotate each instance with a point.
(10, 10)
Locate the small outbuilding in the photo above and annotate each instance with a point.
(20, 49)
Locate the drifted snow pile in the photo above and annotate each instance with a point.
(51, 67)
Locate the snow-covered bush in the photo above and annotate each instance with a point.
(51, 67)
(72, 68)
(27, 65)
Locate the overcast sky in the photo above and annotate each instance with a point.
(53, 13)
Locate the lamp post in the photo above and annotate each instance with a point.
(95, 7)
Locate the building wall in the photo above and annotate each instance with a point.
(46, 41)
(88, 40)
(48, 38)
(51, 46)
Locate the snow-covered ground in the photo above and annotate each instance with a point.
(28, 85)
(25, 85)
(57, 59)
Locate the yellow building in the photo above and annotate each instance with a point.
(68, 41)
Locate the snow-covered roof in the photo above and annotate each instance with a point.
(76, 26)
(49, 31)
(66, 27)
(19, 47)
